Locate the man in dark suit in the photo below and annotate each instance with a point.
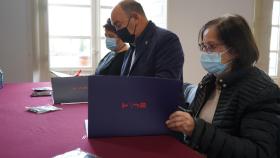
(154, 51)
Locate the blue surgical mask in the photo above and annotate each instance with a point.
(111, 43)
(211, 62)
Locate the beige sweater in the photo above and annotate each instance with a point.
(208, 110)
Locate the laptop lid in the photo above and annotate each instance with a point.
(131, 106)
(70, 89)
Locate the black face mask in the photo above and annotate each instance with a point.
(125, 35)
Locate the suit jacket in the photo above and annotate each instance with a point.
(158, 53)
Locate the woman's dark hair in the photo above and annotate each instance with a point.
(235, 33)
(108, 26)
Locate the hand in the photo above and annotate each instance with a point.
(181, 122)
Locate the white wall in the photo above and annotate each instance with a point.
(15, 40)
(186, 17)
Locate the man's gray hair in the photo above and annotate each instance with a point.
(130, 6)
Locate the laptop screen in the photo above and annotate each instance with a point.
(70, 89)
(131, 106)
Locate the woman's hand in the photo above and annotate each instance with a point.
(181, 122)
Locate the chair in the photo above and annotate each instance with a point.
(189, 92)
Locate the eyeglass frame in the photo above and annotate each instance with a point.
(209, 47)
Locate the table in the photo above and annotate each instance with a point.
(25, 134)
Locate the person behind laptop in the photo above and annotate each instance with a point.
(236, 110)
(153, 51)
(111, 64)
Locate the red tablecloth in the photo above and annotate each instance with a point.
(25, 134)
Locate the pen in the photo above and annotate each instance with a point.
(78, 73)
(185, 110)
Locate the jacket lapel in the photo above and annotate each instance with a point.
(143, 43)
(138, 54)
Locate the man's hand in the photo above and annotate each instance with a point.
(181, 122)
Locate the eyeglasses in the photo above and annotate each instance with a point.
(119, 26)
(210, 47)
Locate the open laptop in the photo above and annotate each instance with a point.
(70, 89)
(131, 106)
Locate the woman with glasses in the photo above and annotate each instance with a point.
(111, 64)
(236, 110)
